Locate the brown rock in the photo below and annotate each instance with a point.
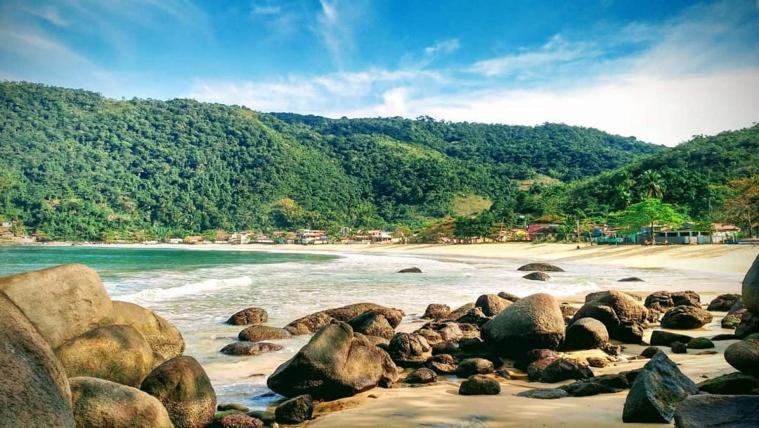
(101, 403)
(249, 316)
(164, 339)
(258, 333)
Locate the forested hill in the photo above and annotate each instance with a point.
(76, 165)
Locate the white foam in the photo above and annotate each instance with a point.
(189, 289)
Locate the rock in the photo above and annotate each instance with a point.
(537, 276)
(61, 302)
(372, 323)
(665, 338)
(601, 294)
(544, 393)
(295, 410)
(442, 363)
(249, 316)
(34, 391)
(586, 333)
(267, 417)
(446, 348)
(335, 363)
(232, 406)
(475, 316)
(433, 337)
(448, 331)
(744, 356)
(656, 391)
(460, 311)
(749, 325)
(409, 349)
(472, 366)
(421, 376)
(700, 343)
(568, 311)
(630, 279)
(183, 387)
(523, 361)
(749, 291)
(606, 384)
(678, 348)
(474, 346)
(508, 296)
(663, 300)
(534, 322)
(257, 333)
(719, 337)
(118, 353)
(598, 362)
(479, 385)
(410, 270)
(559, 370)
(730, 384)
(491, 304)
(685, 318)
(540, 267)
(723, 411)
(237, 421)
(250, 348)
(623, 316)
(101, 403)
(686, 298)
(436, 311)
(650, 352)
(163, 338)
(469, 331)
(313, 322)
(723, 302)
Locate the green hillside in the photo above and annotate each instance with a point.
(76, 165)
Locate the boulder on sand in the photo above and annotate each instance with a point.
(183, 387)
(666, 338)
(586, 333)
(731, 384)
(534, 322)
(749, 291)
(295, 410)
(537, 276)
(442, 363)
(62, 302)
(656, 391)
(723, 411)
(249, 316)
(436, 311)
(491, 304)
(257, 333)
(250, 348)
(623, 316)
(335, 363)
(723, 302)
(372, 323)
(663, 300)
(685, 318)
(744, 356)
(315, 321)
(34, 391)
(421, 375)
(164, 339)
(540, 267)
(471, 366)
(479, 385)
(101, 403)
(558, 370)
(409, 349)
(118, 353)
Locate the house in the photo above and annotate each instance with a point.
(311, 237)
(263, 239)
(175, 240)
(724, 233)
(541, 231)
(238, 238)
(192, 239)
(379, 236)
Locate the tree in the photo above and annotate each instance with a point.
(650, 212)
(742, 205)
(652, 182)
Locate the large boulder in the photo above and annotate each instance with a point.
(409, 349)
(586, 333)
(118, 353)
(258, 333)
(460, 311)
(744, 356)
(420, 376)
(748, 325)
(663, 300)
(436, 311)
(101, 403)
(249, 316)
(372, 323)
(479, 385)
(656, 391)
(335, 363)
(731, 384)
(540, 267)
(183, 387)
(471, 366)
(686, 318)
(295, 410)
(491, 304)
(723, 302)
(605, 384)
(534, 322)
(164, 339)
(750, 289)
(315, 321)
(718, 411)
(62, 302)
(623, 315)
(34, 391)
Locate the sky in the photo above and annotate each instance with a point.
(661, 71)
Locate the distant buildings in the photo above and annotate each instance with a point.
(542, 231)
(311, 237)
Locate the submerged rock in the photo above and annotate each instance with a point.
(534, 322)
(249, 316)
(258, 333)
(685, 318)
(540, 267)
(630, 279)
(334, 364)
(250, 348)
(413, 269)
(723, 411)
(657, 390)
(479, 385)
(537, 276)
(101, 403)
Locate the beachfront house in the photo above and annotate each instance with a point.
(725, 233)
(379, 236)
(542, 231)
(192, 239)
(311, 237)
(239, 238)
(174, 240)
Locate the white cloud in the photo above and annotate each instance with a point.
(555, 51)
(445, 47)
(265, 10)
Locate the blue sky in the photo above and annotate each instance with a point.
(658, 70)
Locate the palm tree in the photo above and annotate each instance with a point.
(652, 182)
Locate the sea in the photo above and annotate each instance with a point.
(197, 290)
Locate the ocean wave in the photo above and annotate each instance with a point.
(190, 289)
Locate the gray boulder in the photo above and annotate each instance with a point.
(258, 333)
(534, 322)
(315, 321)
(335, 363)
(718, 411)
(656, 391)
(372, 323)
(750, 290)
(723, 302)
(295, 410)
(586, 333)
(744, 356)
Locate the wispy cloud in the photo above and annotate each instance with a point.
(555, 51)
(265, 9)
(443, 47)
